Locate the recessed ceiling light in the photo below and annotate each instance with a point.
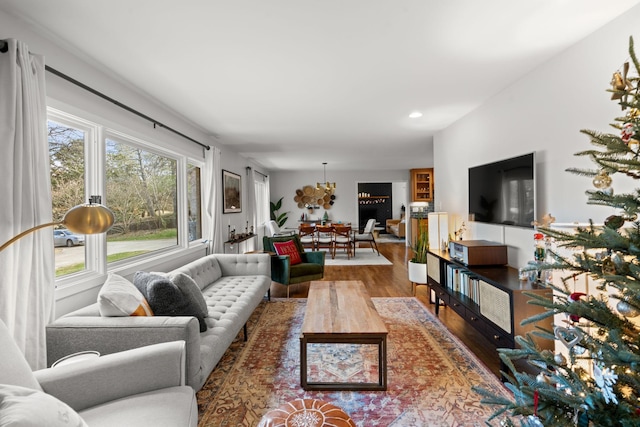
(415, 114)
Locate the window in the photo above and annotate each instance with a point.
(139, 181)
(67, 160)
(141, 192)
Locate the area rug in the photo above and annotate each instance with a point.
(364, 256)
(429, 382)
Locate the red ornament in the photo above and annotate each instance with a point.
(627, 132)
(575, 297)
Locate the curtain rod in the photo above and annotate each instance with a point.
(259, 173)
(121, 105)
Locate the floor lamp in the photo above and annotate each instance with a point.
(90, 218)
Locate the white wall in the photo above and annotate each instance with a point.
(345, 209)
(542, 112)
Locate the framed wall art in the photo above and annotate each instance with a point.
(231, 192)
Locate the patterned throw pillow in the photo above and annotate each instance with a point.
(25, 407)
(288, 248)
(118, 297)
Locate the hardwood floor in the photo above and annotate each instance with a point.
(392, 281)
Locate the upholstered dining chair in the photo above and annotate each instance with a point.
(286, 273)
(367, 237)
(342, 238)
(324, 237)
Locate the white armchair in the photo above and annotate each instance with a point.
(274, 230)
(139, 387)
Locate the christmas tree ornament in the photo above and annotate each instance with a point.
(614, 222)
(539, 247)
(633, 113)
(627, 132)
(543, 378)
(626, 309)
(578, 350)
(608, 267)
(560, 359)
(617, 85)
(575, 296)
(605, 379)
(602, 180)
(534, 421)
(568, 337)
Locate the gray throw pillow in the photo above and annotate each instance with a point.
(166, 299)
(190, 290)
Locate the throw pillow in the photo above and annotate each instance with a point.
(165, 298)
(119, 297)
(25, 407)
(288, 248)
(191, 291)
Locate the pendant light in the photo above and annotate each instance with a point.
(326, 186)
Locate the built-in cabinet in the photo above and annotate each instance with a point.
(491, 299)
(422, 185)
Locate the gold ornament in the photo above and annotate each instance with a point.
(602, 180)
(608, 267)
(620, 83)
(634, 113)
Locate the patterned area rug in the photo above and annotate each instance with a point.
(429, 381)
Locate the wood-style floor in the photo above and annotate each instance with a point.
(392, 281)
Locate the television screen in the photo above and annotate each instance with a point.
(503, 192)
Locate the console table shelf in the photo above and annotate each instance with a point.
(491, 299)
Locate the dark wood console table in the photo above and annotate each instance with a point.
(489, 298)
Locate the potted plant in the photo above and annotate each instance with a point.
(279, 218)
(417, 267)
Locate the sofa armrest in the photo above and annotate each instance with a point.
(92, 382)
(69, 334)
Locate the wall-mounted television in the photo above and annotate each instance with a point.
(504, 192)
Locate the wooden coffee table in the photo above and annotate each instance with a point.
(341, 312)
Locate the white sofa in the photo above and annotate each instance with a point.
(232, 285)
(141, 387)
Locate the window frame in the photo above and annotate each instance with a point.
(96, 267)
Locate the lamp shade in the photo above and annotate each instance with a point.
(90, 218)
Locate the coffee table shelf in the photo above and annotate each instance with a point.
(341, 312)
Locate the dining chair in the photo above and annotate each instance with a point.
(343, 238)
(367, 237)
(307, 235)
(324, 237)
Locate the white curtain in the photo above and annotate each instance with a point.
(212, 227)
(251, 199)
(261, 192)
(27, 276)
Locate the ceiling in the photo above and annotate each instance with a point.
(294, 83)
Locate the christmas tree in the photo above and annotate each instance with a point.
(595, 381)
